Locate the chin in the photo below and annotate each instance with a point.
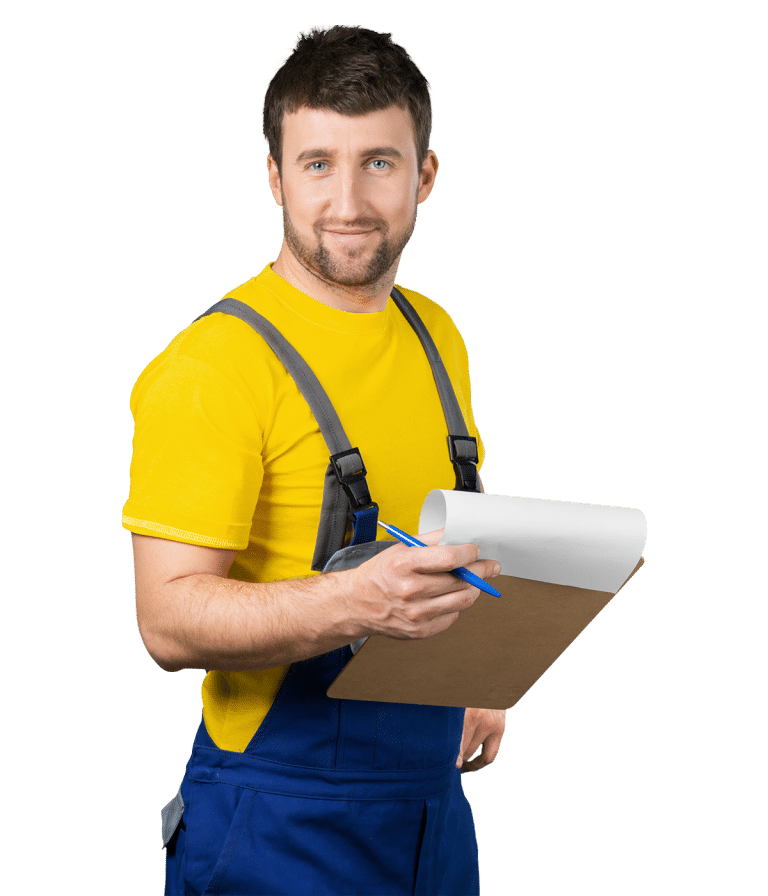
(349, 272)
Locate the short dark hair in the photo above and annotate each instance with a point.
(352, 71)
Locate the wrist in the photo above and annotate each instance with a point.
(346, 589)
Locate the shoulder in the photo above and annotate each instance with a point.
(218, 340)
(216, 354)
(437, 320)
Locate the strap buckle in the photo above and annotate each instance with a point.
(464, 457)
(350, 471)
(363, 511)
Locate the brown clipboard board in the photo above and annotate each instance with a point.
(488, 658)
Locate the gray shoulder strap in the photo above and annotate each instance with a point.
(453, 416)
(462, 447)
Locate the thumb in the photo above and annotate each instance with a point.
(431, 538)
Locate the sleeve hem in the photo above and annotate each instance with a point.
(147, 527)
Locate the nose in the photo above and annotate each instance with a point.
(348, 200)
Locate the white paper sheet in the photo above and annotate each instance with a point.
(584, 545)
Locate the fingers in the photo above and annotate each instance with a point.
(486, 569)
(427, 570)
(486, 757)
(443, 558)
(431, 538)
(481, 726)
(450, 557)
(438, 572)
(407, 592)
(468, 742)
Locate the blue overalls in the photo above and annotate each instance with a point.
(331, 797)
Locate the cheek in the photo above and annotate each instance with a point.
(398, 204)
(303, 208)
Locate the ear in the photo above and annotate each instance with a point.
(274, 180)
(427, 176)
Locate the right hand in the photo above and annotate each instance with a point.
(408, 593)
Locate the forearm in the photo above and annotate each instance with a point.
(210, 622)
(191, 616)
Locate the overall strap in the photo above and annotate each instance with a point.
(462, 447)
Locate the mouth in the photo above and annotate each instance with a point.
(349, 237)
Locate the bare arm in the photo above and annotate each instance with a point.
(191, 616)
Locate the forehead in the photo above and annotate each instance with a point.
(307, 129)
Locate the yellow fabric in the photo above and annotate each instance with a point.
(227, 454)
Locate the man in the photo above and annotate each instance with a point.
(287, 790)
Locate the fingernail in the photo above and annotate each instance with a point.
(497, 569)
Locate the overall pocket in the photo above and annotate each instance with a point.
(302, 845)
(217, 817)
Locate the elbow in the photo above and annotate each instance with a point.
(166, 663)
(160, 648)
(166, 658)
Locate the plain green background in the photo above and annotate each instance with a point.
(598, 233)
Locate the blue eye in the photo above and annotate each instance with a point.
(379, 164)
(314, 165)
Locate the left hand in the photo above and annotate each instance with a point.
(481, 726)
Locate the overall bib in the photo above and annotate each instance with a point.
(331, 797)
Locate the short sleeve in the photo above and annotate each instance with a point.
(196, 469)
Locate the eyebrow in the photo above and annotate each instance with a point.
(380, 151)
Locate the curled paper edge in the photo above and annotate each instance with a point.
(590, 546)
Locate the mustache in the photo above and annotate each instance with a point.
(357, 224)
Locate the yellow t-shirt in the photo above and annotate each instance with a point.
(227, 454)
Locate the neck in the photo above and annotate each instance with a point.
(357, 299)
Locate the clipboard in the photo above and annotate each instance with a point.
(498, 648)
(494, 652)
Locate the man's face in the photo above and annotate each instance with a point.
(349, 188)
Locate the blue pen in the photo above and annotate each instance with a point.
(464, 574)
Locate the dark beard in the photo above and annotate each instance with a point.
(320, 262)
